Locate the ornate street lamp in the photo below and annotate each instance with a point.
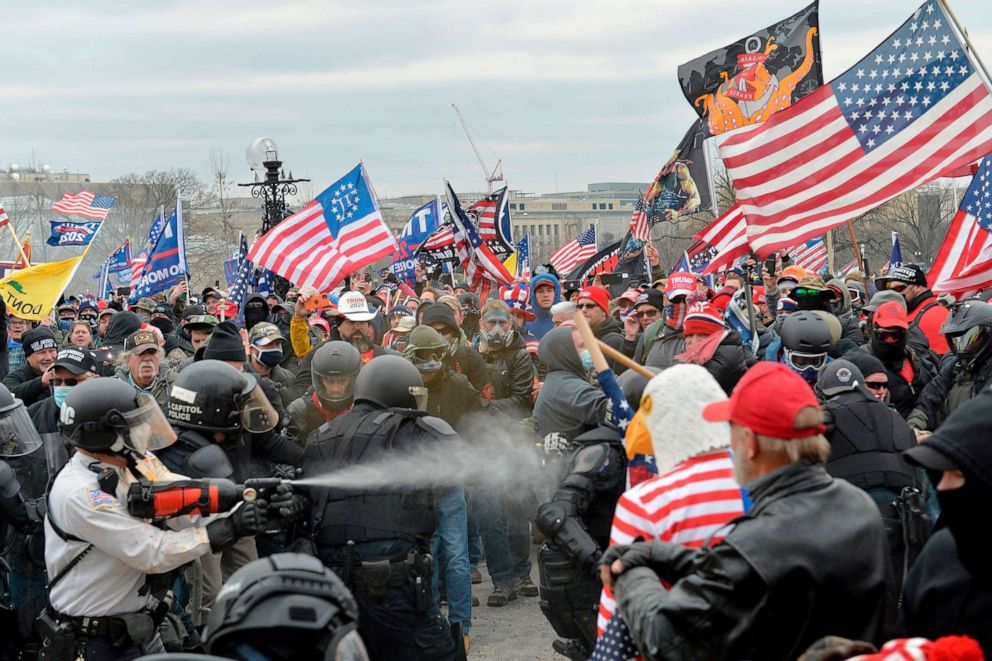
(263, 156)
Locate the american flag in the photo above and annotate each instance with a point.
(339, 232)
(4, 218)
(913, 110)
(155, 230)
(811, 255)
(964, 262)
(481, 266)
(484, 212)
(616, 643)
(523, 259)
(441, 238)
(86, 204)
(137, 267)
(728, 236)
(245, 268)
(640, 229)
(574, 252)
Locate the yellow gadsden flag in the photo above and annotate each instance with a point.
(32, 292)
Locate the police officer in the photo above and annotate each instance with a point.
(333, 371)
(377, 539)
(109, 572)
(285, 606)
(576, 523)
(25, 470)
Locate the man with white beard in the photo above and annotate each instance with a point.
(808, 560)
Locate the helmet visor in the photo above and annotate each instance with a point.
(18, 436)
(148, 428)
(257, 413)
(337, 389)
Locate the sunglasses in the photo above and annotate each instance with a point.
(646, 314)
(876, 385)
(898, 288)
(65, 382)
(586, 306)
(890, 336)
(804, 292)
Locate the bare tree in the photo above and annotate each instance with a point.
(219, 166)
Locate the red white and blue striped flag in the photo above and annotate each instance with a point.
(4, 218)
(574, 252)
(86, 204)
(339, 232)
(811, 255)
(964, 262)
(914, 109)
(482, 268)
(728, 236)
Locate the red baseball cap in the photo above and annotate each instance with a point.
(597, 295)
(767, 400)
(890, 315)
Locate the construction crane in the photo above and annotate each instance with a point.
(492, 176)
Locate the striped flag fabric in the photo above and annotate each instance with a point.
(492, 218)
(482, 268)
(339, 232)
(964, 261)
(523, 259)
(4, 218)
(86, 204)
(639, 227)
(138, 266)
(811, 255)
(914, 109)
(441, 238)
(728, 236)
(575, 251)
(245, 268)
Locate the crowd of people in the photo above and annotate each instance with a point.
(773, 467)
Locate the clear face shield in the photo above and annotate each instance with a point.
(338, 389)
(257, 413)
(18, 437)
(147, 427)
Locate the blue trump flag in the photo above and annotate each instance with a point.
(73, 234)
(120, 259)
(421, 225)
(166, 264)
(895, 257)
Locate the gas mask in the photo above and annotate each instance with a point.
(499, 335)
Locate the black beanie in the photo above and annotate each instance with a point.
(37, 339)
(439, 313)
(225, 343)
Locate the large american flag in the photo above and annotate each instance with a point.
(482, 268)
(340, 231)
(574, 252)
(640, 229)
(811, 255)
(728, 236)
(4, 218)
(964, 262)
(485, 212)
(442, 237)
(86, 204)
(913, 110)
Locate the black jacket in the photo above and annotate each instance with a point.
(511, 378)
(610, 332)
(248, 458)
(44, 415)
(809, 560)
(953, 386)
(903, 395)
(450, 397)
(943, 598)
(25, 384)
(729, 362)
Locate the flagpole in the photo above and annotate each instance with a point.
(830, 250)
(17, 242)
(854, 244)
(967, 42)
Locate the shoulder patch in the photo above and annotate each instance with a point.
(436, 426)
(100, 499)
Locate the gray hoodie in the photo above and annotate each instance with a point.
(568, 403)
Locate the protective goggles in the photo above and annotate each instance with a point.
(801, 361)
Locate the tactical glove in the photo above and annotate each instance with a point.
(250, 519)
(283, 504)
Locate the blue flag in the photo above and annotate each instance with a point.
(72, 234)
(120, 259)
(156, 230)
(264, 286)
(895, 257)
(166, 264)
(421, 225)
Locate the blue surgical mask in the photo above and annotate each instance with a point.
(59, 393)
(586, 359)
(270, 357)
(65, 325)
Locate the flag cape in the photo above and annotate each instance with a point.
(31, 293)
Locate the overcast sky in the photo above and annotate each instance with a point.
(566, 92)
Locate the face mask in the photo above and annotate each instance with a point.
(59, 393)
(675, 315)
(65, 325)
(270, 357)
(164, 325)
(888, 353)
(144, 317)
(586, 359)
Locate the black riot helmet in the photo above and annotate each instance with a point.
(968, 330)
(806, 332)
(285, 606)
(20, 448)
(632, 384)
(391, 382)
(108, 415)
(210, 395)
(334, 368)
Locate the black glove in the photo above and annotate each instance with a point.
(250, 519)
(283, 504)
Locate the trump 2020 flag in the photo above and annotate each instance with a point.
(166, 264)
(912, 110)
(120, 259)
(72, 234)
(417, 230)
(895, 257)
(340, 231)
(964, 262)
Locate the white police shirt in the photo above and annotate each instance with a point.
(125, 549)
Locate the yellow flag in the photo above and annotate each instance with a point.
(31, 293)
(511, 263)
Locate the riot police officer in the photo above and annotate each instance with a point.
(576, 523)
(333, 370)
(376, 539)
(25, 469)
(283, 607)
(120, 565)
